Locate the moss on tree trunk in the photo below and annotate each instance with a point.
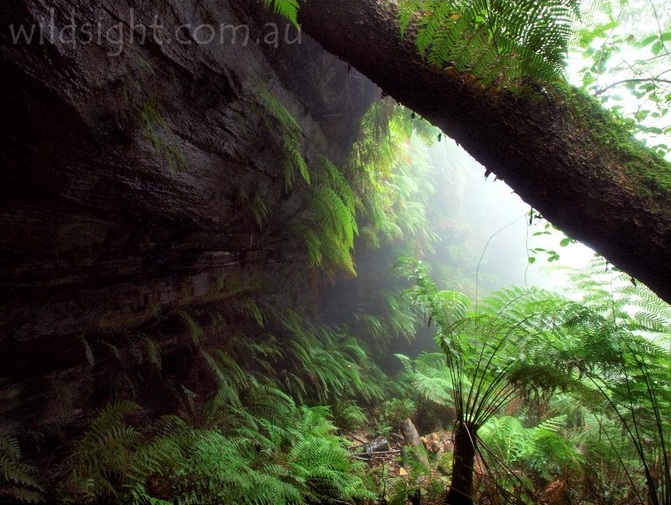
(559, 151)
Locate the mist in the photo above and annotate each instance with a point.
(497, 228)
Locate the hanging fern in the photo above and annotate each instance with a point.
(287, 8)
(390, 172)
(500, 43)
(291, 135)
(328, 224)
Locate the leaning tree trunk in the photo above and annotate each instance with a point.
(465, 444)
(558, 152)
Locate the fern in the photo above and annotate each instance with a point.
(287, 8)
(430, 377)
(500, 43)
(322, 361)
(548, 453)
(291, 135)
(115, 459)
(163, 138)
(292, 456)
(318, 460)
(196, 330)
(541, 449)
(390, 171)
(18, 481)
(221, 470)
(505, 437)
(329, 224)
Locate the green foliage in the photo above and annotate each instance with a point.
(349, 416)
(501, 43)
(429, 376)
(391, 175)
(158, 130)
(541, 449)
(309, 361)
(266, 450)
(625, 69)
(328, 225)
(115, 459)
(286, 8)
(18, 481)
(291, 135)
(325, 362)
(395, 411)
(324, 221)
(147, 112)
(519, 344)
(441, 307)
(318, 460)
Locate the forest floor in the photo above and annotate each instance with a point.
(397, 468)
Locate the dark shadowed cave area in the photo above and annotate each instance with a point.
(102, 231)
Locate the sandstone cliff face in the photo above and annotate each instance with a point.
(144, 177)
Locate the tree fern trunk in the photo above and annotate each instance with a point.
(461, 488)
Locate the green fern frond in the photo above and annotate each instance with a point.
(506, 437)
(500, 43)
(291, 135)
(287, 8)
(9, 445)
(281, 113)
(554, 424)
(294, 162)
(195, 328)
(18, 481)
(329, 224)
(105, 454)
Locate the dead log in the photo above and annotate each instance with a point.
(413, 440)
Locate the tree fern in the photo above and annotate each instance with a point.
(516, 343)
(630, 377)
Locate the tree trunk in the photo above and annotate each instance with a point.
(461, 488)
(558, 152)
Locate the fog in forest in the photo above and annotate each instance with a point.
(497, 228)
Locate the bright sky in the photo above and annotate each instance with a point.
(634, 22)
